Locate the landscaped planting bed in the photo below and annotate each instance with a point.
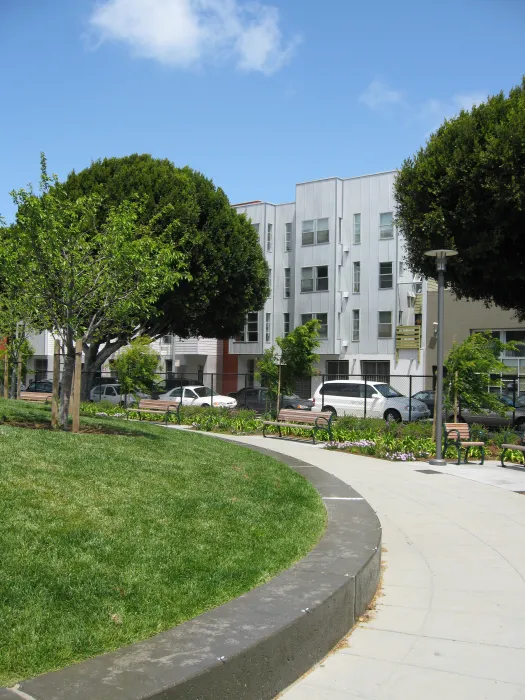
(107, 539)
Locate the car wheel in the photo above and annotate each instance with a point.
(290, 408)
(330, 409)
(520, 424)
(205, 405)
(392, 416)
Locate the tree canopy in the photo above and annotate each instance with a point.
(465, 190)
(227, 270)
(136, 366)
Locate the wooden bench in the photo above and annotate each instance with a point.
(509, 446)
(288, 418)
(37, 396)
(156, 406)
(458, 434)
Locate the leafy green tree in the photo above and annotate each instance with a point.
(469, 366)
(228, 275)
(294, 360)
(85, 276)
(465, 189)
(136, 365)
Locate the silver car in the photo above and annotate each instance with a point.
(355, 397)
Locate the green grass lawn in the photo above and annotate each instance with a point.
(106, 539)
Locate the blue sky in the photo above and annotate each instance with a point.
(257, 96)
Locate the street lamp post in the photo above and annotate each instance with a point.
(441, 265)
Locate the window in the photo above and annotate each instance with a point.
(337, 369)
(355, 325)
(288, 236)
(357, 229)
(269, 237)
(308, 233)
(376, 371)
(270, 280)
(400, 318)
(385, 275)
(287, 282)
(401, 268)
(386, 226)
(314, 279)
(322, 318)
(356, 287)
(519, 338)
(315, 231)
(411, 301)
(40, 368)
(256, 228)
(384, 327)
(322, 231)
(250, 332)
(268, 328)
(286, 318)
(166, 340)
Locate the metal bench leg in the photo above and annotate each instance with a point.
(459, 454)
(482, 455)
(280, 434)
(313, 435)
(466, 454)
(264, 431)
(503, 458)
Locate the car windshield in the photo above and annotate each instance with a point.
(387, 391)
(202, 391)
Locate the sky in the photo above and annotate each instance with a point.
(256, 95)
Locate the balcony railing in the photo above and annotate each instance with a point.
(408, 338)
(418, 304)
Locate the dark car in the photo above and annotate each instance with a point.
(42, 385)
(258, 400)
(515, 415)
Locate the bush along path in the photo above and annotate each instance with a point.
(397, 442)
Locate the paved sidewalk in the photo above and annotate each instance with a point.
(450, 624)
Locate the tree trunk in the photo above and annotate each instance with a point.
(455, 394)
(94, 358)
(67, 383)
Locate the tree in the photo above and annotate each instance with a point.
(228, 275)
(136, 366)
(466, 190)
(469, 366)
(293, 361)
(85, 275)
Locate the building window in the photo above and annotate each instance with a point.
(269, 237)
(286, 318)
(400, 318)
(386, 225)
(268, 328)
(355, 325)
(314, 279)
(322, 318)
(411, 301)
(166, 340)
(287, 282)
(315, 231)
(385, 275)
(356, 286)
(288, 236)
(256, 228)
(357, 229)
(270, 280)
(40, 368)
(401, 268)
(337, 369)
(384, 327)
(250, 331)
(376, 371)
(517, 337)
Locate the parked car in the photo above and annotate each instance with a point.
(198, 395)
(165, 385)
(513, 417)
(348, 397)
(112, 393)
(257, 399)
(43, 385)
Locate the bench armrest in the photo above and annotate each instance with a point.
(452, 430)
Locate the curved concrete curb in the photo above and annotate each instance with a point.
(254, 646)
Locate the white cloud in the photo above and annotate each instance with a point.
(185, 33)
(434, 112)
(379, 95)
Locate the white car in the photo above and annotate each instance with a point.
(112, 393)
(346, 397)
(198, 395)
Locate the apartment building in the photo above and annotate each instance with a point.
(334, 254)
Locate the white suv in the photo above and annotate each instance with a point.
(346, 397)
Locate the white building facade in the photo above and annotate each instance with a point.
(335, 255)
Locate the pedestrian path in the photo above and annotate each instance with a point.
(450, 621)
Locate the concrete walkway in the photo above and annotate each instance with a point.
(450, 623)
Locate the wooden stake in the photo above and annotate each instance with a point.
(56, 385)
(77, 378)
(18, 376)
(6, 375)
